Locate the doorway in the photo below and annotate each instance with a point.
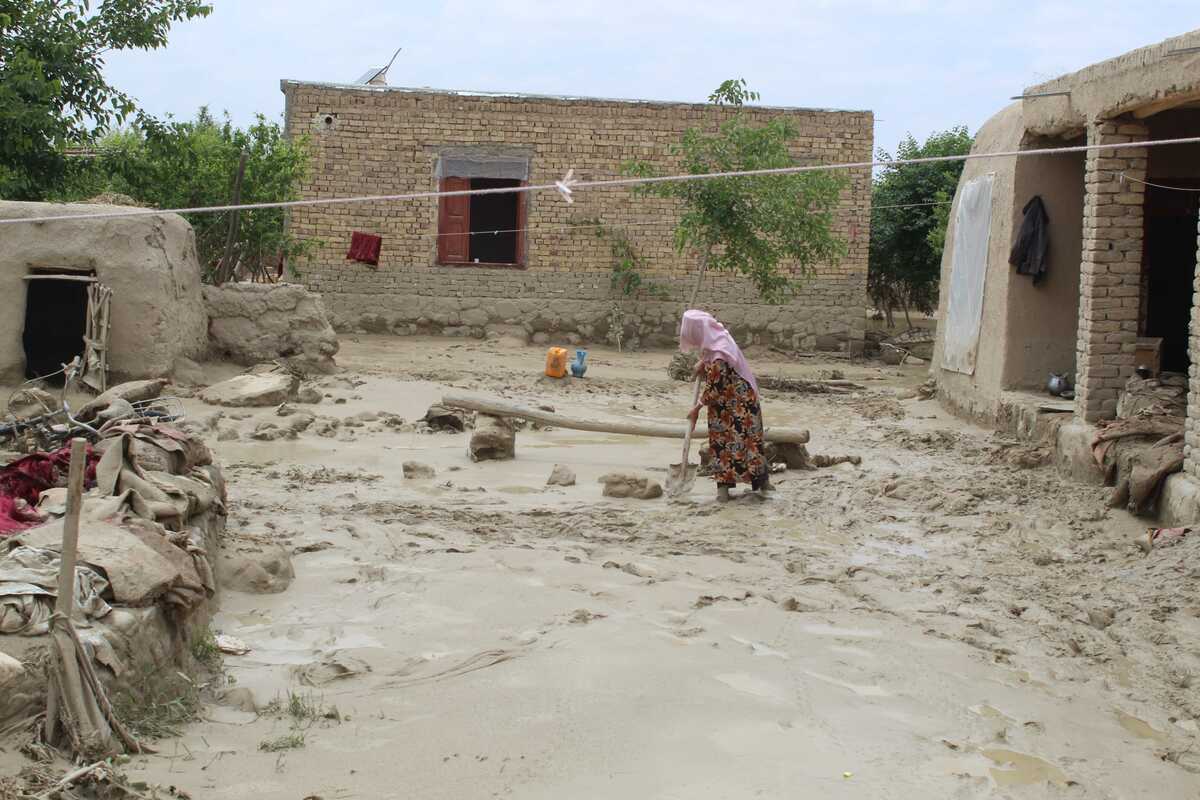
(494, 222)
(1169, 268)
(56, 310)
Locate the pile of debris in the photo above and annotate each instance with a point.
(1144, 445)
(151, 521)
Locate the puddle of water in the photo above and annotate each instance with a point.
(834, 630)
(1020, 769)
(1139, 728)
(858, 689)
(519, 489)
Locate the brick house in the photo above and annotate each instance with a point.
(1122, 246)
(442, 269)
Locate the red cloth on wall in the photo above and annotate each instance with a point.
(365, 247)
(26, 478)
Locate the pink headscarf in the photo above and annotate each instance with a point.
(701, 331)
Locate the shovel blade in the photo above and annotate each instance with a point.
(680, 479)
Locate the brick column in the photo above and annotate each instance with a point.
(1110, 268)
(1191, 446)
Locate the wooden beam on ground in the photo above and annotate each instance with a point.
(499, 407)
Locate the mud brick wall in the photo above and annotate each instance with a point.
(1191, 446)
(1111, 267)
(384, 140)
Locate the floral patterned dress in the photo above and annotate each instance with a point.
(735, 429)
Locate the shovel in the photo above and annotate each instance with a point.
(681, 476)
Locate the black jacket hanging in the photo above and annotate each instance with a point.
(1033, 240)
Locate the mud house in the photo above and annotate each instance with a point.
(1118, 291)
(156, 312)
(547, 270)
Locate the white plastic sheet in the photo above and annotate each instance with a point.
(968, 271)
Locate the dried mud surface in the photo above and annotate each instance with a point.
(944, 620)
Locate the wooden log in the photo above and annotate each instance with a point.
(498, 407)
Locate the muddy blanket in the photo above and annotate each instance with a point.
(29, 586)
(1136, 456)
(1165, 395)
(138, 533)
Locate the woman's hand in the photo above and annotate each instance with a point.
(698, 370)
(694, 415)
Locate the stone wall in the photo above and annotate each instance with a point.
(382, 140)
(250, 323)
(1110, 272)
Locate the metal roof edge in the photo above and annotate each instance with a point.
(286, 82)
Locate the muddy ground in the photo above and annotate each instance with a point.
(939, 622)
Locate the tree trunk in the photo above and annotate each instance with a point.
(498, 407)
(704, 256)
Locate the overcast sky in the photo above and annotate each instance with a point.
(920, 65)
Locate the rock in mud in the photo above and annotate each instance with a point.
(494, 439)
(327, 427)
(440, 418)
(268, 571)
(308, 395)
(289, 428)
(627, 484)
(227, 433)
(270, 389)
(561, 475)
(415, 470)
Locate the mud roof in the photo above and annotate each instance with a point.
(1142, 82)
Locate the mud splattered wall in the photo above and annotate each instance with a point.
(378, 140)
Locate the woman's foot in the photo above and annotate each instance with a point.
(723, 494)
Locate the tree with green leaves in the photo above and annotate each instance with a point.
(910, 211)
(53, 93)
(193, 164)
(750, 225)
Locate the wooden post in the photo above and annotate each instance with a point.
(226, 270)
(65, 603)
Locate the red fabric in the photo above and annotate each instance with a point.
(365, 247)
(17, 515)
(26, 478)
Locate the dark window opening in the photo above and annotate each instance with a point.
(1169, 258)
(490, 213)
(55, 322)
(481, 229)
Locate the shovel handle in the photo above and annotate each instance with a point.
(687, 437)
